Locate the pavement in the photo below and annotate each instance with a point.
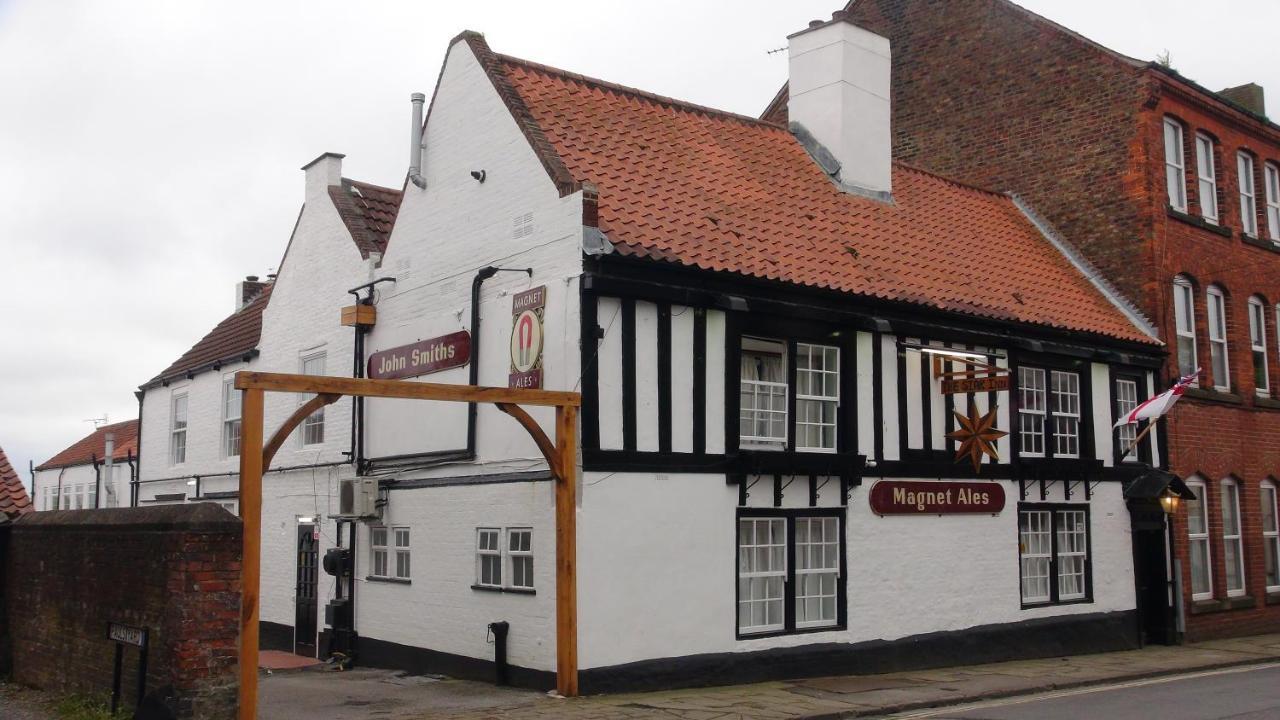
(366, 693)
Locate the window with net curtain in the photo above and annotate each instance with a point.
(763, 391)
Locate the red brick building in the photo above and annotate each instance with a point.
(1173, 191)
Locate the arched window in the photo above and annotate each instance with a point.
(1218, 339)
(1258, 345)
(1198, 538)
(1184, 312)
(1232, 543)
(1271, 535)
(1175, 165)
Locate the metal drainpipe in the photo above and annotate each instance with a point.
(137, 473)
(97, 480)
(133, 478)
(473, 372)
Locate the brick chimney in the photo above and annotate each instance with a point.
(323, 172)
(839, 102)
(248, 289)
(1249, 96)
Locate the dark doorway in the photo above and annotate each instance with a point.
(304, 619)
(1151, 573)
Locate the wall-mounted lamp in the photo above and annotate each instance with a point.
(1169, 500)
(479, 175)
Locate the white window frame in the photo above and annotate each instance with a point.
(1258, 346)
(1126, 402)
(483, 551)
(313, 423)
(379, 558)
(1184, 314)
(178, 434)
(1217, 307)
(231, 411)
(827, 546)
(1271, 535)
(1033, 409)
(1235, 539)
(1066, 412)
(769, 417)
(754, 575)
(1035, 565)
(1271, 184)
(523, 555)
(1207, 177)
(1248, 194)
(825, 400)
(402, 546)
(1082, 554)
(1201, 508)
(1175, 165)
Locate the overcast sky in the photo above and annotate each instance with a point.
(150, 149)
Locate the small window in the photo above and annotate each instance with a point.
(1175, 165)
(1207, 174)
(1127, 434)
(817, 397)
(520, 557)
(763, 391)
(178, 430)
(1270, 536)
(312, 427)
(1184, 305)
(1053, 547)
(774, 596)
(230, 419)
(488, 557)
(817, 571)
(1198, 536)
(378, 547)
(1218, 339)
(1232, 543)
(1248, 195)
(1032, 410)
(1258, 345)
(1271, 179)
(1066, 414)
(401, 536)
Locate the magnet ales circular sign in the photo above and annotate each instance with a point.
(905, 497)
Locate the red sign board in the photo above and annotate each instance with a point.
(421, 358)
(904, 497)
(956, 386)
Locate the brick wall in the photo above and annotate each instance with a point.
(173, 569)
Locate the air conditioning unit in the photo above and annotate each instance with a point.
(358, 498)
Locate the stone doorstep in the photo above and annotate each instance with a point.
(278, 661)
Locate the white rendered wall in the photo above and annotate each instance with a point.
(665, 569)
(81, 479)
(204, 429)
(447, 232)
(439, 609)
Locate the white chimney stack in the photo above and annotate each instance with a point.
(839, 98)
(323, 172)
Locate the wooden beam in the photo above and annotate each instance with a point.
(361, 387)
(282, 434)
(250, 499)
(567, 552)
(540, 438)
(362, 315)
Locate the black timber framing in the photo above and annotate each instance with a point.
(628, 373)
(664, 377)
(590, 339)
(699, 381)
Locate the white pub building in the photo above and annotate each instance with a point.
(839, 414)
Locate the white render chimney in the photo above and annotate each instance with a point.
(323, 172)
(838, 103)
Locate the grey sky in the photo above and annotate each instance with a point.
(151, 148)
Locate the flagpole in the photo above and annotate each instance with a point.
(1138, 440)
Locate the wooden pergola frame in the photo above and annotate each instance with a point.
(255, 458)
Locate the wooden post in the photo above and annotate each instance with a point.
(251, 516)
(567, 552)
(1138, 440)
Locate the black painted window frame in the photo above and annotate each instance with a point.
(1144, 447)
(789, 598)
(1053, 509)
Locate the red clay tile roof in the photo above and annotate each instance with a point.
(14, 500)
(94, 445)
(368, 211)
(229, 340)
(689, 185)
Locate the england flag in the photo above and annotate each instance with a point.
(1160, 404)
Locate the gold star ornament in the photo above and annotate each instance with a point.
(977, 435)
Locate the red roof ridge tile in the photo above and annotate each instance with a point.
(674, 103)
(93, 446)
(965, 184)
(236, 335)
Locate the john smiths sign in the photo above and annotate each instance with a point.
(422, 358)
(894, 497)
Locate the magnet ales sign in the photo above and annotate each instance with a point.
(528, 310)
(894, 497)
(421, 358)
